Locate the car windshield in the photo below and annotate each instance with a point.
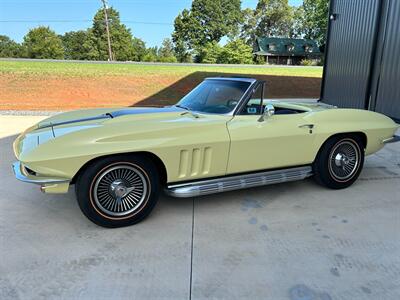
(215, 96)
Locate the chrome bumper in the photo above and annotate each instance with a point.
(393, 139)
(35, 179)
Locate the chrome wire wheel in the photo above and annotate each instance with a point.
(120, 190)
(344, 160)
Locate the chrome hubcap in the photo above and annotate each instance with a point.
(120, 190)
(341, 160)
(344, 160)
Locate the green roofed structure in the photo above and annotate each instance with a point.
(287, 51)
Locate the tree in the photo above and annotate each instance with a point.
(270, 18)
(180, 36)
(248, 27)
(151, 54)
(42, 42)
(139, 49)
(9, 48)
(297, 29)
(316, 20)
(166, 52)
(209, 54)
(236, 52)
(181, 52)
(206, 21)
(274, 18)
(80, 45)
(121, 36)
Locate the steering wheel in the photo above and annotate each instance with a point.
(232, 103)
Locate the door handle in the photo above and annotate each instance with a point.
(309, 126)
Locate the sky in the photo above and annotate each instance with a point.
(150, 20)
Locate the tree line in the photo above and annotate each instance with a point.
(197, 34)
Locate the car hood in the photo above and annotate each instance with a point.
(80, 120)
(99, 115)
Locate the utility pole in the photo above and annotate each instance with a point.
(110, 56)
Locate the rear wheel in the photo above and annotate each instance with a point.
(118, 191)
(339, 162)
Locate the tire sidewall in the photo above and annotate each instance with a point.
(85, 185)
(322, 169)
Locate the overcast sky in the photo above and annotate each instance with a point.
(149, 20)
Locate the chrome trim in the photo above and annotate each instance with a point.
(212, 186)
(35, 179)
(244, 79)
(249, 92)
(245, 95)
(393, 139)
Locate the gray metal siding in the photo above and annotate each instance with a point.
(388, 95)
(351, 46)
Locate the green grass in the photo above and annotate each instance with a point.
(61, 69)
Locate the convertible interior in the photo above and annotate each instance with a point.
(254, 109)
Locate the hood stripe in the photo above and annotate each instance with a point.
(145, 110)
(105, 116)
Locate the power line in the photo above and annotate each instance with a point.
(82, 21)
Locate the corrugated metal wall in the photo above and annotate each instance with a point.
(387, 97)
(350, 47)
(362, 67)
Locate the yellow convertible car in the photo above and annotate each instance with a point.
(220, 137)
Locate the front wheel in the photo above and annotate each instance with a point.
(339, 162)
(118, 191)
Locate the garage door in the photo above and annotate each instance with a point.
(350, 50)
(388, 95)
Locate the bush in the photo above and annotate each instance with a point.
(209, 54)
(149, 57)
(168, 59)
(259, 60)
(236, 52)
(308, 62)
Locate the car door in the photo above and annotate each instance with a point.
(276, 142)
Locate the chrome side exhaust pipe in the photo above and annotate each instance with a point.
(236, 182)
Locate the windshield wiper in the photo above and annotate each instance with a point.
(188, 111)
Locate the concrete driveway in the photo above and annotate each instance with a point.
(295, 241)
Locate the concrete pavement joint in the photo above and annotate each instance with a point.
(191, 253)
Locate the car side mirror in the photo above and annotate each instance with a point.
(269, 111)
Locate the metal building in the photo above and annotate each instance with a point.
(362, 59)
